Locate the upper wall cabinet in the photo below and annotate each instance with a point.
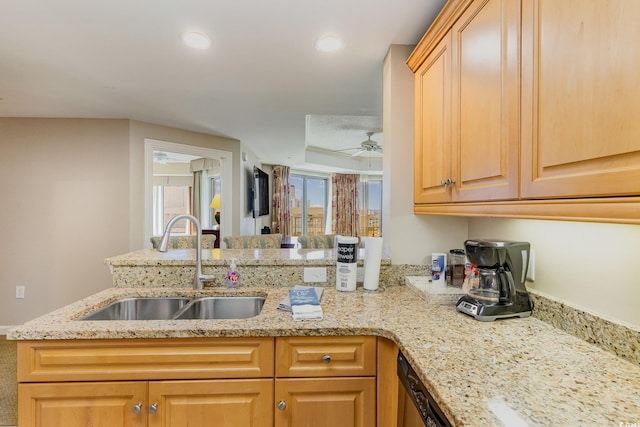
(580, 98)
(529, 109)
(466, 107)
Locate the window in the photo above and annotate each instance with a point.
(171, 198)
(307, 204)
(370, 205)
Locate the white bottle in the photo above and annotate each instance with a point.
(439, 269)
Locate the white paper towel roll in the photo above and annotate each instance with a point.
(372, 257)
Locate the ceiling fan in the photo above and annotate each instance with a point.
(366, 147)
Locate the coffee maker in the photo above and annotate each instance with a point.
(501, 273)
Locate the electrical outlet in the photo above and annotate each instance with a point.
(315, 274)
(20, 292)
(531, 271)
(360, 274)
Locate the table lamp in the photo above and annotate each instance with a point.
(215, 204)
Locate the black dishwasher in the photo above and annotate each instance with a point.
(417, 396)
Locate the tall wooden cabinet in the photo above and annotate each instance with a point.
(466, 97)
(529, 109)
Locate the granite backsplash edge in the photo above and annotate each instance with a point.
(616, 337)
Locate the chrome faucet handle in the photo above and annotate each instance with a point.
(164, 245)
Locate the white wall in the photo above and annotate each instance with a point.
(590, 265)
(408, 238)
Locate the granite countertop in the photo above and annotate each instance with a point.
(244, 257)
(481, 374)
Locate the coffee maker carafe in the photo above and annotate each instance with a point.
(502, 271)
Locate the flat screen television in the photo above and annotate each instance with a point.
(261, 200)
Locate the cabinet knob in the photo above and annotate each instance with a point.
(136, 408)
(153, 408)
(443, 183)
(450, 181)
(282, 405)
(326, 358)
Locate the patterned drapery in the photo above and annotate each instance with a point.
(345, 217)
(280, 216)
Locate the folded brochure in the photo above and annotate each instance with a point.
(304, 303)
(285, 304)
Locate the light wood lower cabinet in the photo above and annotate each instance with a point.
(224, 403)
(326, 381)
(225, 382)
(96, 404)
(326, 402)
(219, 403)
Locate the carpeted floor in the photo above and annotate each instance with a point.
(8, 383)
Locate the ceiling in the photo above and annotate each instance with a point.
(261, 81)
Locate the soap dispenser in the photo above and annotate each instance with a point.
(232, 278)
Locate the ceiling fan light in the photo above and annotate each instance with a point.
(328, 44)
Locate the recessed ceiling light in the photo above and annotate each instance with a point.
(328, 44)
(196, 40)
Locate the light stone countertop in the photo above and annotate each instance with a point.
(481, 374)
(244, 257)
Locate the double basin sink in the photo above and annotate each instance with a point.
(179, 308)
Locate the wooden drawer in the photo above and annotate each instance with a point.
(144, 359)
(325, 356)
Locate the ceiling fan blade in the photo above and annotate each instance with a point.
(359, 153)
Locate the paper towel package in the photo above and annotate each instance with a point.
(372, 257)
(346, 263)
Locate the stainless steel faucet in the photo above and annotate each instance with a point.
(163, 246)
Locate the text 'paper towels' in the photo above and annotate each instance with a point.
(346, 263)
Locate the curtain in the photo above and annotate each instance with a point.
(345, 217)
(196, 197)
(280, 203)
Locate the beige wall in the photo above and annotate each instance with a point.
(72, 195)
(64, 186)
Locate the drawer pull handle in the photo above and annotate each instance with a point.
(136, 408)
(153, 408)
(282, 405)
(326, 358)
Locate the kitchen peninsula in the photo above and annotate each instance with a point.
(257, 267)
(478, 372)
